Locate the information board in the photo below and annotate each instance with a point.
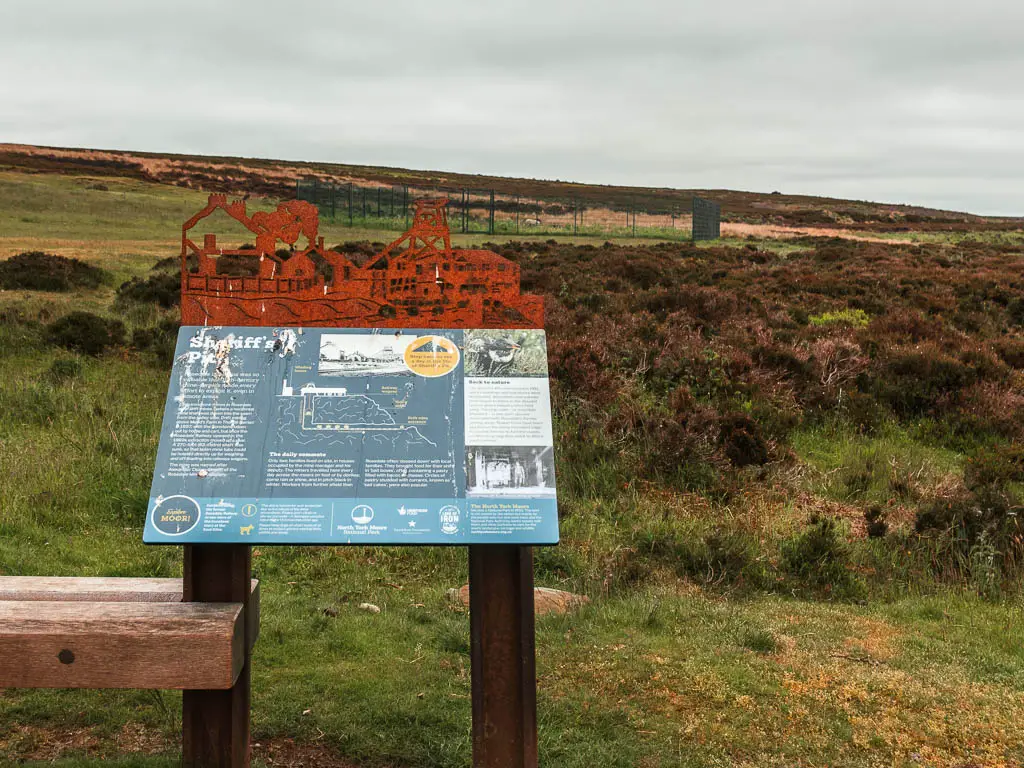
(355, 436)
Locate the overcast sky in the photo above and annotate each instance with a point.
(909, 101)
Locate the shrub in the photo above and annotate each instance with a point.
(851, 318)
(160, 339)
(721, 556)
(168, 264)
(915, 383)
(85, 332)
(64, 369)
(784, 359)
(1011, 351)
(743, 442)
(874, 516)
(237, 265)
(661, 303)
(709, 306)
(988, 514)
(642, 273)
(819, 556)
(38, 271)
(162, 289)
(1015, 310)
(995, 468)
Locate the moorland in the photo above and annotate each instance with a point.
(790, 473)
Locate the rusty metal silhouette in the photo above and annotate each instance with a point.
(418, 280)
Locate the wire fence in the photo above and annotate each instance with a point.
(485, 211)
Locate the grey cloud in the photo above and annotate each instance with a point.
(899, 101)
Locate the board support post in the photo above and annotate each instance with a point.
(215, 724)
(504, 677)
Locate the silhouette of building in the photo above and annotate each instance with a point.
(419, 280)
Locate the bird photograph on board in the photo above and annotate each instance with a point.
(505, 353)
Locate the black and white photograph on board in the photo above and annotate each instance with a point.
(371, 354)
(510, 471)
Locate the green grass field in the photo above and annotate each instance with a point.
(665, 670)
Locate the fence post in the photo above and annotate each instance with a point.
(378, 202)
(633, 206)
(517, 214)
(215, 724)
(502, 656)
(405, 204)
(364, 205)
(350, 203)
(334, 197)
(490, 228)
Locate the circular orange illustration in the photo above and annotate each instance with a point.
(432, 356)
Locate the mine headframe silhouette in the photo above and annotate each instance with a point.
(418, 280)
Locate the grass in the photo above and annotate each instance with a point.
(991, 237)
(693, 652)
(70, 213)
(875, 469)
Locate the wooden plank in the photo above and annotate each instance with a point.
(112, 589)
(73, 644)
(215, 723)
(90, 589)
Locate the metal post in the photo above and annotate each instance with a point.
(378, 202)
(364, 205)
(215, 724)
(574, 207)
(504, 678)
(350, 203)
(517, 214)
(490, 225)
(405, 204)
(334, 198)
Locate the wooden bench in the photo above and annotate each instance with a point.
(119, 633)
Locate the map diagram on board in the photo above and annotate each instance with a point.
(331, 415)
